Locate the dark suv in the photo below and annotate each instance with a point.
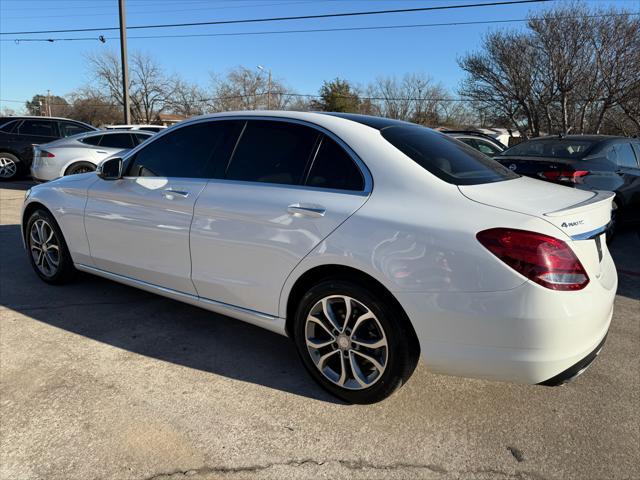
(18, 135)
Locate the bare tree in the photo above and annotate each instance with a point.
(245, 89)
(572, 71)
(150, 88)
(187, 99)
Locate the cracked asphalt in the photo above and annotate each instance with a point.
(102, 381)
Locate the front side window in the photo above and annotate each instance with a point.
(192, 151)
(117, 140)
(272, 152)
(445, 157)
(68, 129)
(334, 168)
(40, 128)
(487, 148)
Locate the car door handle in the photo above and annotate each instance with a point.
(306, 209)
(101, 151)
(171, 194)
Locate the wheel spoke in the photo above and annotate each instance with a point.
(39, 258)
(347, 312)
(373, 344)
(355, 370)
(343, 372)
(323, 359)
(370, 359)
(319, 322)
(50, 236)
(50, 260)
(328, 313)
(362, 318)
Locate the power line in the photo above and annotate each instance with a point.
(280, 19)
(313, 30)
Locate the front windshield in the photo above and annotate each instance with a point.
(551, 147)
(445, 157)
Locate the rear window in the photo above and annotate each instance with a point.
(446, 158)
(552, 147)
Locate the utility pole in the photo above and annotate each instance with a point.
(261, 68)
(125, 63)
(49, 103)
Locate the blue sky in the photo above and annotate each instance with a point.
(301, 60)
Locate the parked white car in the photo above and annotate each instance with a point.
(368, 241)
(80, 153)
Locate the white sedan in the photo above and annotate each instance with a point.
(370, 242)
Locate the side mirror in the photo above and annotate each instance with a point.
(110, 169)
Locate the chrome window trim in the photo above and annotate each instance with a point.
(364, 170)
(589, 235)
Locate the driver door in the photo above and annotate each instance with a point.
(138, 226)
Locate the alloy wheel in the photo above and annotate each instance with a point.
(346, 342)
(8, 167)
(44, 247)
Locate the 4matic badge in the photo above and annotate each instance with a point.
(572, 224)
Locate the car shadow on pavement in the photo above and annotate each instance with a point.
(150, 325)
(18, 185)
(625, 249)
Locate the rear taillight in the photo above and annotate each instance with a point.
(564, 176)
(45, 154)
(545, 260)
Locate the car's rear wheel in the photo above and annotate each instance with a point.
(48, 252)
(353, 343)
(10, 166)
(80, 167)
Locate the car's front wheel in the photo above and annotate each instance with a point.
(48, 252)
(354, 344)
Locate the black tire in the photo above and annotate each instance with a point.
(11, 168)
(65, 271)
(80, 167)
(403, 350)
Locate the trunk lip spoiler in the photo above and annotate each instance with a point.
(598, 196)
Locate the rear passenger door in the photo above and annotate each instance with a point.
(286, 187)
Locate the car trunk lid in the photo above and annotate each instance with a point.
(581, 214)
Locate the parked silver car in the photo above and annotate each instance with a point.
(81, 153)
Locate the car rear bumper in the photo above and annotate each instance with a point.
(526, 335)
(576, 369)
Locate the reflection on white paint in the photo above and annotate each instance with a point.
(152, 183)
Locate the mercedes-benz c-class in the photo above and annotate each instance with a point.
(370, 242)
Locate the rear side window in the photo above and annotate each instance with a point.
(9, 126)
(622, 154)
(272, 152)
(192, 151)
(68, 129)
(93, 140)
(117, 140)
(42, 128)
(446, 158)
(334, 168)
(140, 137)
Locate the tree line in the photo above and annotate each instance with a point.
(573, 69)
